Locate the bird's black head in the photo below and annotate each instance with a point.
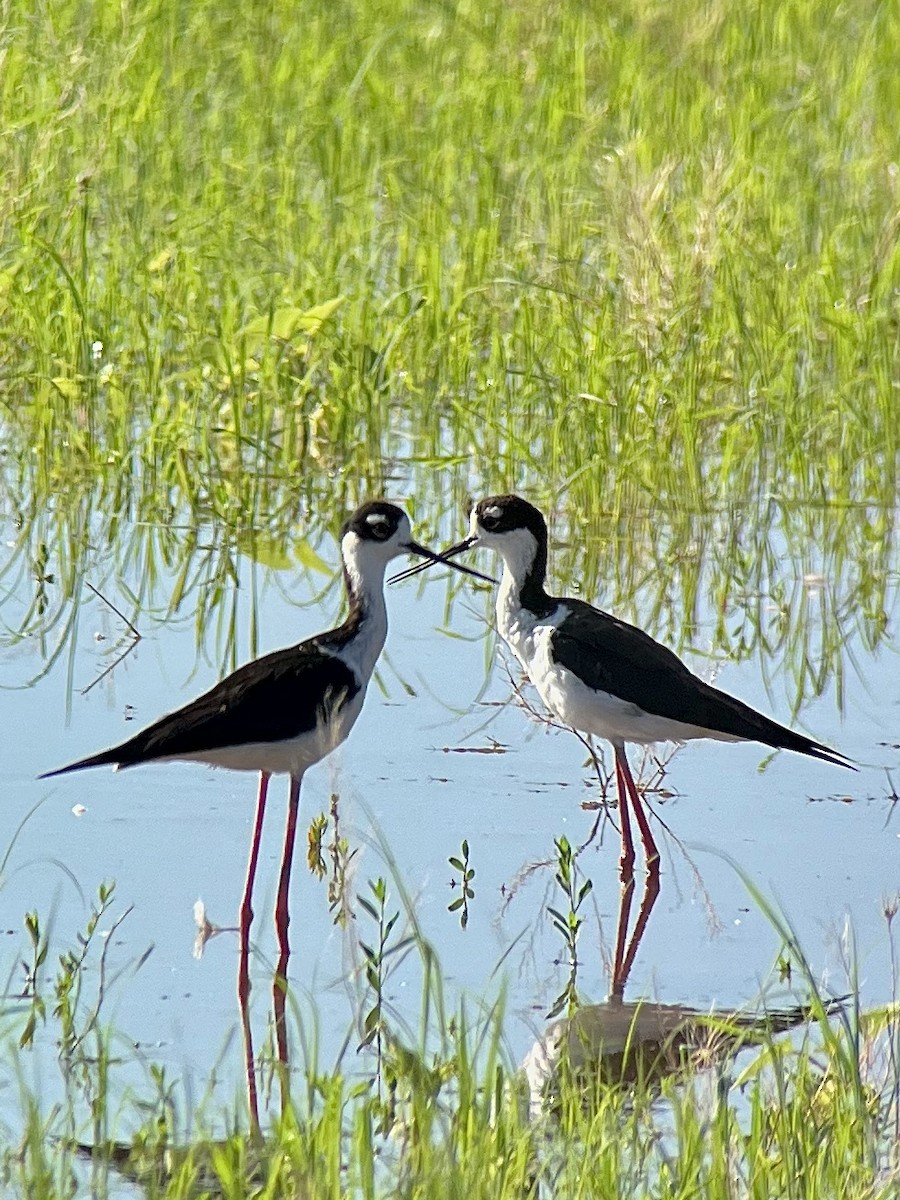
(503, 514)
(518, 532)
(376, 521)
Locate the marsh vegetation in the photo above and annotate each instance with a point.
(257, 265)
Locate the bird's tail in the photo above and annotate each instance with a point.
(805, 745)
(731, 716)
(104, 759)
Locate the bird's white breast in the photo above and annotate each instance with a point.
(361, 653)
(582, 707)
(527, 635)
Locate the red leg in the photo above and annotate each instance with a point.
(282, 921)
(651, 891)
(650, 851)
(618, 974)
(246, 917)
(250, 1068)
(626, 862)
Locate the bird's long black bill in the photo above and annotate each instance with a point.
(443, 559)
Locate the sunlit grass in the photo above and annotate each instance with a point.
(639, 260)
(636, 260)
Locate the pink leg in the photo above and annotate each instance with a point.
(246, 917)
(625, 962)
(650, 851)
(618, 974)
(626, 862)
(282, 921)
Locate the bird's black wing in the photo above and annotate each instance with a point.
(279, 696)
(612, 656)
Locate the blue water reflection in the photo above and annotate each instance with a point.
(824, 842)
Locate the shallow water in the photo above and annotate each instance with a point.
(824, 843)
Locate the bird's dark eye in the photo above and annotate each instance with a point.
(489, 518)
(379, 527)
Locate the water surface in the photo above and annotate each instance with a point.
(441, 753)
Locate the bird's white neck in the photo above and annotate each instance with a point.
(524, 567)
(509, 600)
(514, 620)
(519, 553)
(366, 624)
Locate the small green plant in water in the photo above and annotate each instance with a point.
(70, 977)
(67, 986)
(466, 875)
(331, 859)
(374, 1027)
(341, 857)
(31, 986)
(568, 923)
(315, 852)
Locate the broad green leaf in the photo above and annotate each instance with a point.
(267, 551)
(70, 388)
(160, 261)
(307, 557)
(286, 322)
(314, 318)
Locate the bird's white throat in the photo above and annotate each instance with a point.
(517, 625)
(518, 550)
(365, 563)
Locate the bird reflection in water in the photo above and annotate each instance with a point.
(639, 1044)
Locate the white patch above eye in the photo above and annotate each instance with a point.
(378, 519)
(494, 511)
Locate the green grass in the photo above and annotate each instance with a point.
(638, 259)
(641, 259)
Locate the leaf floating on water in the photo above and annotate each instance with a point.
(840, 798)
(205, 928)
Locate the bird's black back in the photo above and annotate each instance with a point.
(612, 656)
(274, 698)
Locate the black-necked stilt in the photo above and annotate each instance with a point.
(284, 712)
(601, 675)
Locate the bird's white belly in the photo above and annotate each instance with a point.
(291, 757)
